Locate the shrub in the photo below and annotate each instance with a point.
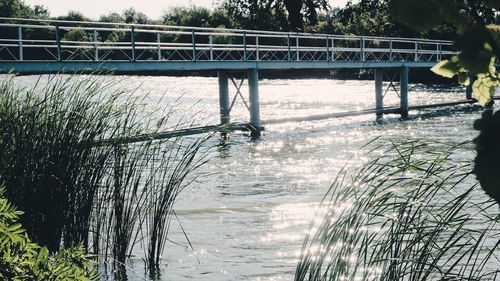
(21, 259)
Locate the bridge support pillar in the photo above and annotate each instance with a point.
(404, 91)
(253, 85)
(468, 89)
(468, 92)
(379, 94)
(224, 97)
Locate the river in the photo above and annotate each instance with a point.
(247, 217)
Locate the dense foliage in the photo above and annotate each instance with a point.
(275, 14)
(488, 153)
(21, 259)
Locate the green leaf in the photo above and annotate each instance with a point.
(42, 255)
(483, 89)
(446, 68)
(492, 69)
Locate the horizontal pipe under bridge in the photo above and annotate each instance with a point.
(178, 133)
(248, 127)
(385, 110)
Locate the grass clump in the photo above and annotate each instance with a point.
(70, 160)
(50, 166)
(412, 213)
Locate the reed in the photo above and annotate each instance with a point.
(69, 163)
(49, 164)
(414, 212)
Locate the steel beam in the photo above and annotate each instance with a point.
(468, 91)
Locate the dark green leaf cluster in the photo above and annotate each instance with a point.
(198, 17)
(488, 153)
(21, 259)
(15, 9)
(367, 17)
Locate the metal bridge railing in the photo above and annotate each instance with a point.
(46, 40)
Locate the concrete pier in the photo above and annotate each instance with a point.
(253, 85)
(379, 94)
(468, 89)
(224, 97)
(404, 91)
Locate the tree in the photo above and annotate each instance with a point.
(15, 9)
(41, 12)
(193, 16)
(262, 15)
(220, 18)
(275, 14)
(111, 17)
(371, 17)
(74, 16)
(130, 15)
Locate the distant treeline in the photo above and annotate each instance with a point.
(365, 17)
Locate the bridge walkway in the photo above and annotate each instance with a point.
(45, 46)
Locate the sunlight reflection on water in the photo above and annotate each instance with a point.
(247, 218)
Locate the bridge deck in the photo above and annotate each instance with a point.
(151, 67)
(37, 46)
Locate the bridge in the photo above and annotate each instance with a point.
(30, 46)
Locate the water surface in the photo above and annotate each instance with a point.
(247, 217)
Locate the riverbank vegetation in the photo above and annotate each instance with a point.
(25, 260)
(412, 212)
(68, 162)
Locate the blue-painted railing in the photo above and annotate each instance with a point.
(47, 40)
